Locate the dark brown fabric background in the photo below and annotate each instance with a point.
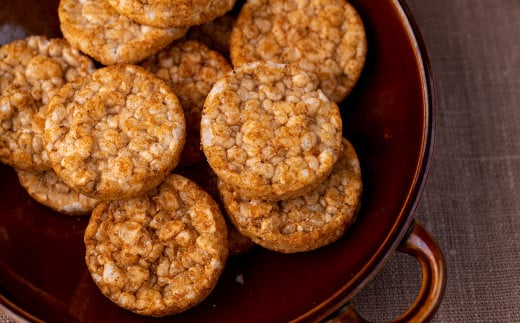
(471, 203)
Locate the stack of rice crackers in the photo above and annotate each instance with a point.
(186, 131)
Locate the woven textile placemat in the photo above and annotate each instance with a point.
(471, 203)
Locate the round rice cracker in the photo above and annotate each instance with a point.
(269, 132)
(190, 69)
(115, 134)
(48, 189)
(172, 13)
(98, 30)
(304, 223)
(31, 71)
(160, 253)
(323, 37)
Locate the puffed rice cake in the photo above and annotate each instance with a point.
(268, 131)
(115, 134)
(190, 68)
(48, 189)
(303, 223)
(172, 13)
(95, 28)
(323, 37)
(160, 253)
(31, 71)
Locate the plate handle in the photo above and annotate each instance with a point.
(420, 244)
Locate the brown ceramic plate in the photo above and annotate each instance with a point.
(389, 119)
